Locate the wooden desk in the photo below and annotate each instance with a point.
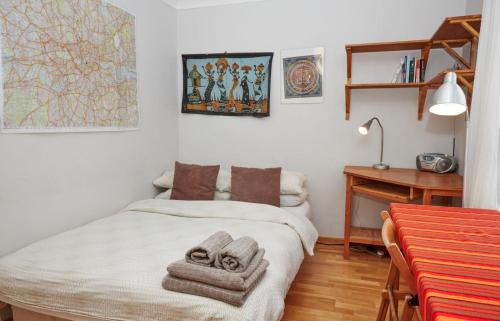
(397, 185)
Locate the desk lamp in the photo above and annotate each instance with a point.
(364, 129)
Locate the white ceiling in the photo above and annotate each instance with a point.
(189, 4)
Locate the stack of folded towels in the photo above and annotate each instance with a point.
(219, 268)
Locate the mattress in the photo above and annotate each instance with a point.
(303, 209)
(112, 269)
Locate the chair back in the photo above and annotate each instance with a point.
(389, 238)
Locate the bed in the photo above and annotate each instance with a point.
(112, 269)
(303, 209)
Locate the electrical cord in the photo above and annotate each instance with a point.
(369, 250)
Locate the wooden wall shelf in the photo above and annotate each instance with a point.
(385, 85)
(454, 32)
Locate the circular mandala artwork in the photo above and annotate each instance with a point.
(303, 77)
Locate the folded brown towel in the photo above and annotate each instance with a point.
(221, 278)
(237, 255)
(232, 297)
(205, 253)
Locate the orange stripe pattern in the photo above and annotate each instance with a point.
(454, 254)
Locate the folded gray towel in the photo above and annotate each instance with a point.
(237, 255)
(205, 253)
(221, 278)
(232, 297)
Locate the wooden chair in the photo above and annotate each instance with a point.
(391, 295)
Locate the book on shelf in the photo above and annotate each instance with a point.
(403, 70)
(423, 65)
(411, 77)
(410, 70)
(407, 73)
(417, 71)
(397, 73)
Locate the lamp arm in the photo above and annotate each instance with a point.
(382, 140)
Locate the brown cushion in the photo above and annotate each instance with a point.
(256, 185)
(194, 182)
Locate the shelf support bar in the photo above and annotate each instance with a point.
(426, 51)
(349, 65)
(469, 102)
(473, 60)
(349, 81)
(422, 96)
(472, 54)
(347, 103)
(422, 91)
(470, 29)
(455, 55)
(465, 82)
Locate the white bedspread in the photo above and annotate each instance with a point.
(112, 269)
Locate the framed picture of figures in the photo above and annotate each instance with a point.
(302, 76)
(236, 84)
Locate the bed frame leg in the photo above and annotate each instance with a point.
(5, 312)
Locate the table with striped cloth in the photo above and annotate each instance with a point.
(454, 254)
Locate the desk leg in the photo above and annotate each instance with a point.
(347, 226)
(427, 198)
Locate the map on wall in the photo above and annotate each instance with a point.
(67, 65)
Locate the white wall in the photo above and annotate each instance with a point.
(473, 6)
(52, 182)
(315, 139)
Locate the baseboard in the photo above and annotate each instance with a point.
(329, 240)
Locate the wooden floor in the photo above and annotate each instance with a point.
(329, 288)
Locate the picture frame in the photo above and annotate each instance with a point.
(227, 84)
(302, 73)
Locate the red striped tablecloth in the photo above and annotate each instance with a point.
(454, 254)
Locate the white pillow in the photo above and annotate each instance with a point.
(222, 196)
(288, 200)
(219, 196)
(285, 200)
(164, 195)
(224, 181)
(292, 183)
(166, 180)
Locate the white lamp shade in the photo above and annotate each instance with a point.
(449, 99)
(363, 131)
(365, 128)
